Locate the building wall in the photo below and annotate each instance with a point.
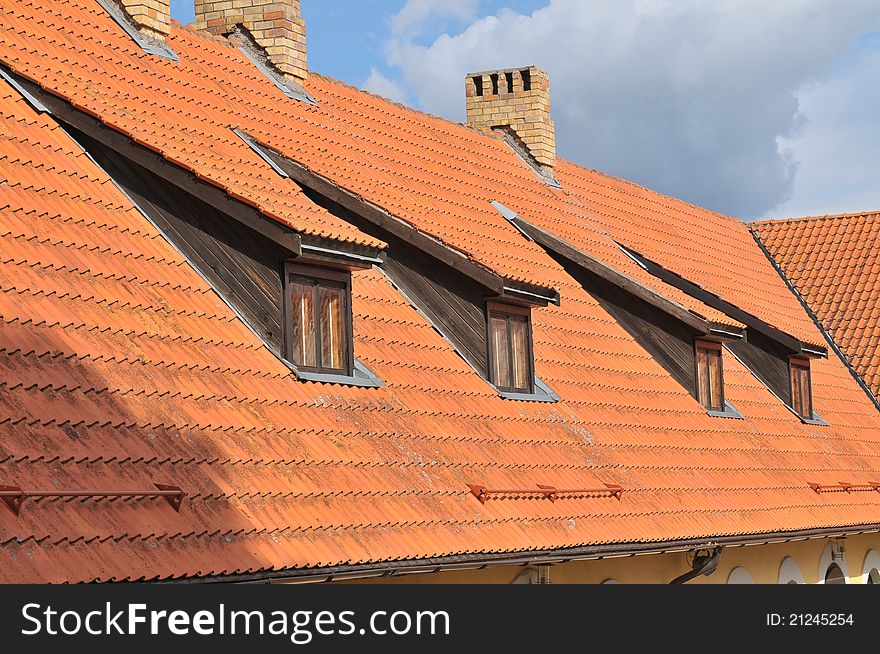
(806, 559)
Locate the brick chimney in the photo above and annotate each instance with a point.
(276, 26)
(516, 100)
(152, 18)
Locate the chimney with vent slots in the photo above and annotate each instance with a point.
(276, 26)
(151, 17)
(516, 100)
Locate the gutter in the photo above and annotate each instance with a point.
(546, 557)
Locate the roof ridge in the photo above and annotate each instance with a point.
(405, 107)
(189, 27)
(802, 219)
(490, 135)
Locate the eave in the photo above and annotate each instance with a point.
(523, 558)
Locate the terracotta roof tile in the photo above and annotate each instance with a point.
(834, 263)
(438, 176)
(714, 251)
(103, 72)
(120, 367)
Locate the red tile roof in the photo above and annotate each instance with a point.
(436, 175)
(709, 249)
(120, 367)
(834, 263)
(181, 112)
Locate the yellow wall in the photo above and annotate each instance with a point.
(761, 562)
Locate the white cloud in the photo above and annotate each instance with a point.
(838, 145)
(380, 85)
(690, 97)
(410, 19)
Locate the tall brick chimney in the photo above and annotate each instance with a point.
(516, 100)
(276, 26)
(152, 18)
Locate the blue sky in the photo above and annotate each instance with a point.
(347, 37)
(752, 108)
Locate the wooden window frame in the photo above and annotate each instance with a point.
(503, 310)
(799, 363)
(715, 348)
(326, 277)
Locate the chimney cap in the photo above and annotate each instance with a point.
(515, 69)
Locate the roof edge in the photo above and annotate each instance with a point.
(804, 219)
(522, 558)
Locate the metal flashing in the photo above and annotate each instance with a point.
(729, 412)
(630, 254)
(148, 45)
(554, 299)
(362, 376)
(510, 216)
(375, 261)
(542, 393)
(530, 161)
(724, 332)
(249, 141)
(35, 104)
(244, 43)
(815, 420)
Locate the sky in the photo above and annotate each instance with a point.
(754, 108)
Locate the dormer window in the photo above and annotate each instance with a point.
(801, 388)
(318, 320)
(710, 375)
(511, 365)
